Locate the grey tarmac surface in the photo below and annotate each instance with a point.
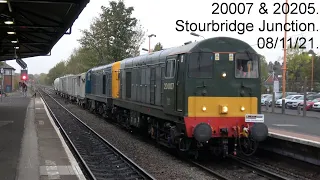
(12, 117)
(293, 122)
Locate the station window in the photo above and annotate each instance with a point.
(170, 68)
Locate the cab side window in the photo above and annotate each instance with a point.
(170, 68)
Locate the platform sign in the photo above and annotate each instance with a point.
(275, 86)
(256, 118)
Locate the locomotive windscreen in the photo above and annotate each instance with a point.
(200, 65)
(246, 65)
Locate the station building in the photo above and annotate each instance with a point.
(9, 77)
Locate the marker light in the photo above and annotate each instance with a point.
(224, 74)
(242, 108)
(224, 109)
(24, 77)
(204, 108)
(14, 42)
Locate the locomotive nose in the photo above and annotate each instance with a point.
(202, 132)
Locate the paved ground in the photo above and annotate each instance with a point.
(43, 156)
(298, 124)
(12, 115)
(292, 112)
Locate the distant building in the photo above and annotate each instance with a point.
(8, 82)
(269, 82)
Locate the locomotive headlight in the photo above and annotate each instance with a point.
(242, 108)
(223, 109)
(204, 108)
(224, 74)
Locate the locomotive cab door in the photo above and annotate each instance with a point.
(179, 83)
(169, 87)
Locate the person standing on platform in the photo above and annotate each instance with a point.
(24, 89)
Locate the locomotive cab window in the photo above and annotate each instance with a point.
(200, 65)
(246, 65)
(170, 68)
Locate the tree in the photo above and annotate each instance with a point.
(264, 68)
(298, 68)
(158, 47)
(81, 60)
(115, 34)
(57, 71)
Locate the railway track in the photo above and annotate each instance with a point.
(99, 158)
(240, 168)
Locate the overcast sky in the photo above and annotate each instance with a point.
(159, 17)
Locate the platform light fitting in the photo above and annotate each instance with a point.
(8, 22)
(14, 41)
(3, 1)
(11, 32)
(16, 47)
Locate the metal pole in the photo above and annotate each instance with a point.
(284, 63)
(2, 76)
(273, 101)
(2, 86)
(305, 96)
(312, 73)
(149, 44)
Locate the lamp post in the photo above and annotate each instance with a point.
(197, 35)
(284, 68)
(312, 61)
(151, 35)
(144, 49)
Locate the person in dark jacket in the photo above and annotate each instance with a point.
(24, 89)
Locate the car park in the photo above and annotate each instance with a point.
(310, 104)
(287, 99)
(316, 106)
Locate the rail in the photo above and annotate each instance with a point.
(99, 158)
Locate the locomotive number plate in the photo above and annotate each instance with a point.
(257, 118)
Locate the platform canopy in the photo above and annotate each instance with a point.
(30, 28)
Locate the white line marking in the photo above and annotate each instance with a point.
(293, 137)
(284, 125)
(72, 160)
(52, 170)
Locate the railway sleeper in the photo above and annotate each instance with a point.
(168, 134)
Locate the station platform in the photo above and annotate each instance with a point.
(293, 112)
(294, 128)
(33, 148)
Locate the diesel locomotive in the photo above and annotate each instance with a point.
(203, 95)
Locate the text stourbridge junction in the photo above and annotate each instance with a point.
(263, 9)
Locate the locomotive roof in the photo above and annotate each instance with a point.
(216, 44)
(101, 67)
